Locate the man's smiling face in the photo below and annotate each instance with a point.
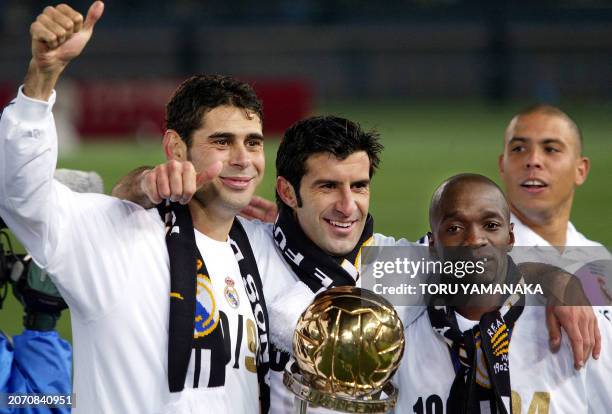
(335, 198)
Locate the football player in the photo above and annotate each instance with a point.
(490, 357)
(167, 306)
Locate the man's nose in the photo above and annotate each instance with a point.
(239, 156)
(534, 159)
(475, 238)
(346, 203)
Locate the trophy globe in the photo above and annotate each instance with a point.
(347, 345)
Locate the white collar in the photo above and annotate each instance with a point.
(525, 236)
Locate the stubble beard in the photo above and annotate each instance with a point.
(210, 197)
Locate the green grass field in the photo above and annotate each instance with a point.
(425, 142)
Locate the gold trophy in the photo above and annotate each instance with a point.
(347, 345)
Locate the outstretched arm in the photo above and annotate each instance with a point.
(578, 322)
(129, 188)
(176, 180)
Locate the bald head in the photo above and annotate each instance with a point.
(443, 199)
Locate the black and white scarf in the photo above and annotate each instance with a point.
(184, 261)
(485, 344)
(310, 263)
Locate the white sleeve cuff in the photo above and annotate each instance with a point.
(32, 110)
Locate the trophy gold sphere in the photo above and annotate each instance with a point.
(348, 342)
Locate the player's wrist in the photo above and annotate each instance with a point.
(41, 80)
(144, 194)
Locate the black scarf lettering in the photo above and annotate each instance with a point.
(310, 263)
(491, 337)
(186, 263)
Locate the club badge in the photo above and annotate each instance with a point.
(231, 294)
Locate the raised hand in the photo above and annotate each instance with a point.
(59, 34)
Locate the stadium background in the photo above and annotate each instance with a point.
(438, 79)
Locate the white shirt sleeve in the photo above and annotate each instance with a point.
(83, 240)
(28, 153)
(286, 296)
(409, 314)
(598, 385)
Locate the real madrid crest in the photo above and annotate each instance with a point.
(231, 294)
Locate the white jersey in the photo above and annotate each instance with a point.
(286, 299)
(577, 246)
(525, 236)
(541, 381)
(110, 262)
(578, 252)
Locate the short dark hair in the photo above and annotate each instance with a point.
(551, 110)
(322, 134)
(202, 93)
(458, 180)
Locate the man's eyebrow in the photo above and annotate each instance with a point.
(231, 135)
(333, 181)
(486, 214)
(517, 139)
(545, 141)
(222, 134)
(552, 141)
(450, 215)
(324, 181)
(255, 135)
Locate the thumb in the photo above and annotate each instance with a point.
(554, 329)
(208, 174)
(93, 15)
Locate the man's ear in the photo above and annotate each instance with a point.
(582, 170)
(286, 192)
(430, 239)
(511, 237)
(174, 147)
(433, 252)
(500, 163)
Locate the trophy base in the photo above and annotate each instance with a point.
(301, 406)
(305, 395)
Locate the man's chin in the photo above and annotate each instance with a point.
(236, 202)
(534, 207)
(340, 248)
